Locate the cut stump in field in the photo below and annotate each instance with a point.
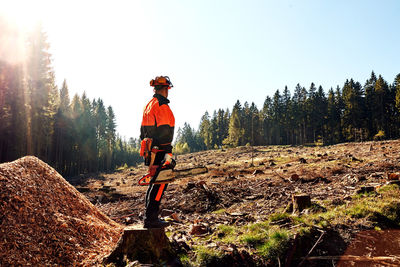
(301, 202)
(145, 245)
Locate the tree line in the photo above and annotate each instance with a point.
(353, 112)
(36, 118)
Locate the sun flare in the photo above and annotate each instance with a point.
(24, 14)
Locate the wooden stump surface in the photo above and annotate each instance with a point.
(148, 246)
(301, 202)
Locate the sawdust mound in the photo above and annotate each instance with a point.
(46, 221)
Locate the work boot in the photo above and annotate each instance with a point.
(155, 223)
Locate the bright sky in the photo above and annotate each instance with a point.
(215, 52)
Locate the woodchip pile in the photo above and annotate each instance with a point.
(46, 221)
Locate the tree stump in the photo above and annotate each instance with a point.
(301, 202)
(148, 246)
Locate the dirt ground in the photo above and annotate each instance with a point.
(248, 184)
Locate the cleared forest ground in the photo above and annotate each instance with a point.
(239, 214)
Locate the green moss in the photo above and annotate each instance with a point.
(275, 246)
(278, 216)
(392, 211)
(253, 240)
(360, 210)
(205, 255)
(258, 227)
(226, 229)
(255, 234)
(304, 230)
(220, 211)
(388, 188)
(184, 258)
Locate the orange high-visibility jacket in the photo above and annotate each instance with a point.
(158, 123)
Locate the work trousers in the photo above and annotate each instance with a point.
(154, 194)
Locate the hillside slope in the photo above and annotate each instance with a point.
(240, 207)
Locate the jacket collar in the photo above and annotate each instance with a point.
(161, 99)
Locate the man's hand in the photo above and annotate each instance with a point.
(168, 161)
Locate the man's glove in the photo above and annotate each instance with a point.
(168, 162)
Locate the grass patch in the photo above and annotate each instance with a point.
(388, 188)
(220, 211)
(207, 256)
(278, 216)
(226, 229)
(275, 246)
(184, 258)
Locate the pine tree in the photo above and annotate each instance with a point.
(13, 113)
(245, 122)
(381, 104)
(101, 122)
(369, 91)
(110, 136)
(266, 117)
(205, 131)
(396, 88)
(299, 113)
(40, 77)
(321, 108)
(310, 108)
(333, 128)
(287, 116)
(235, 132)
(277, 118)
(214, 130)
(354, 109)
(62, 138)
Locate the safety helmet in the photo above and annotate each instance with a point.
(161, 80)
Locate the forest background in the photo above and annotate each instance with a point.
(79, 135)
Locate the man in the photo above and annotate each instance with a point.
(156, 133)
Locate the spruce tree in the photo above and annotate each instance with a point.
(205, 131)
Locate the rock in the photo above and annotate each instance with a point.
(148, 246)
